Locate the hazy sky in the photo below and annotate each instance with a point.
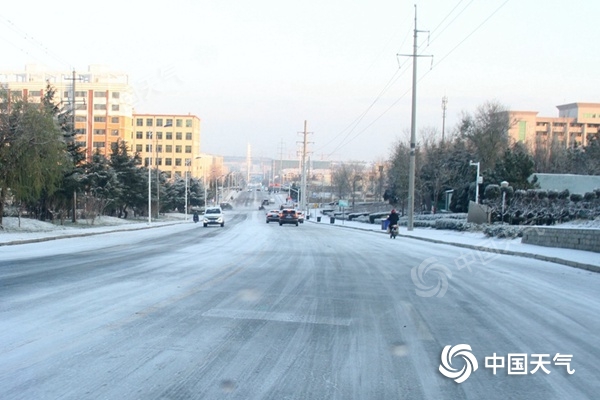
(253, 71)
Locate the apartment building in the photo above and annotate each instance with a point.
(102, 100)
(104, 114)
(170, 141)
(571, 128)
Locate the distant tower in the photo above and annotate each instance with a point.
(248, 162)
(444, 106)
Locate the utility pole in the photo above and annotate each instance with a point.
(302, 199)
(281, 177)
(413, 135)
(444, 106)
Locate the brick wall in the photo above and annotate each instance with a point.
(579, 239)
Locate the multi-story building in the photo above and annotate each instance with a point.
(170, 141)
(571, 128)
(104, 114)
(102, 100)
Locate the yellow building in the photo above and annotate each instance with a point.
(102, 100)
(104, 114)
(171, 141)
(574, 123)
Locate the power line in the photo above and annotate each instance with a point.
(30, 40)
(342, 144)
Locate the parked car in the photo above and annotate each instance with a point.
(300, 216)
(288, 216)
(273, 216)
(213, 216)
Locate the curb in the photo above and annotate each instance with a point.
(556, 260)
(83, 234)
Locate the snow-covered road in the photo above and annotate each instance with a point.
(259, 311)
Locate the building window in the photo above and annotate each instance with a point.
(169, 122)
(188, 136)
(116, 95)
(169, 135)
(159, 148)
(148, 121)
(169, 148)
(178, 174)
(159, 135)
(80, 131)
(114, 132)
(168, 161)
(114, 120)
(148, 135)
(114, 107)
(99, 145)
(188, 149)
(99, 94)
(178, 149)
(188, 123)
(81, 143)
(139, 135)
(99, 106)
(178, 162)
(99, 119)
(81, 93)
(35, 93)
(99, 131)
(148, 148)
(138, 148)
(139, 122)
(158, 121)
(80, 118)
(80, 106)
(159, 161)
(178, 136)
(178, 123)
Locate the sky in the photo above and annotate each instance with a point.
(254, 71)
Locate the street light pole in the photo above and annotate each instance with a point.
(150, 181)
(471, 163)
(504, 186)
(187, 164)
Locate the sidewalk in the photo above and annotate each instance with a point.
(478, 242)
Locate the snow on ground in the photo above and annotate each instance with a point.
(33, 230)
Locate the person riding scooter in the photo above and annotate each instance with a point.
(393, 223)
(196, 218)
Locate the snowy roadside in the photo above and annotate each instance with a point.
(28, 230)
(478, 247)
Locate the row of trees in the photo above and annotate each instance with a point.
(445, 165)
(44, 171)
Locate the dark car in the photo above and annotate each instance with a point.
(226, 206)
(273, 216)
(288, 216)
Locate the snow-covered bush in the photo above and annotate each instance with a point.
(504, 231)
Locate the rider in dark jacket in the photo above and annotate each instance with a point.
(393, 217)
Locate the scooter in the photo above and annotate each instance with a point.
(393, 231)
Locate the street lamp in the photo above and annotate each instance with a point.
(504, 186)
(471, 163)
(150, 180)
(203, 181)
(187, 164)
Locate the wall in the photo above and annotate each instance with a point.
(579, 239)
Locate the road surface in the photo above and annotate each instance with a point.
(259, 311)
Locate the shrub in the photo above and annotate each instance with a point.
(575, 198)
(589, 196)
(564, 194)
